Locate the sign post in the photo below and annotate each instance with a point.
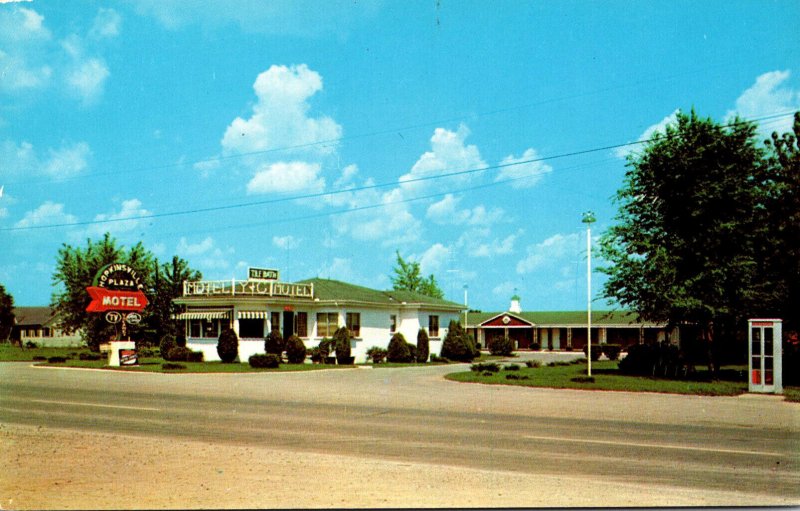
(119, 293)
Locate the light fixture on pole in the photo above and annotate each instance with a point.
(588, 219)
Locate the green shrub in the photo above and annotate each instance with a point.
(376, 354)
(582, 379)
(663, 359)
(178, 354)
(228, 346)
(484, 367)
(90, 356)
(149, 352)
(423, 346)
(398, 349)
(39, 358)
(166, 345)
(512, 377)
(502, 346)
(536, 346)
(597, 350)
(533, 364)
(326, 345)
(458, 345)
(342, 338)
(512, 367)
(31, 345)
(56, 360)
(266, 361)
(612, 351)
(435, 359)
(170, 366)
(316, 356)
(295, 350)
(274, 343)
(180, 340)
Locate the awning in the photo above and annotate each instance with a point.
(203, 315)
(252, 314)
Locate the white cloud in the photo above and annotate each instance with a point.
(338, 269)
(205, 255)
(87, 79)
(658, 128)
(283, 177)
(504, 289)
(67, 161)
(280, 116)
(448, 154)
(17, 74)
(524, 175)
(122, 221)
(433, 258)
(287, 242)
(553, 252)
(22, 159)
(446, 212)
(49, 213)
(768, 96)
(21, 24)
(106, 24)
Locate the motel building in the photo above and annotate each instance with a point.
(564, 330)
(311, 309)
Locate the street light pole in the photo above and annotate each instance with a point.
(588, 219)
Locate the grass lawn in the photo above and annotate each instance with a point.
(605, 378)
(10, 353)
(154, 365)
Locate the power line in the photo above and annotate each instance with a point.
(363, 188)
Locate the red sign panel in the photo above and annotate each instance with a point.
(106, 299)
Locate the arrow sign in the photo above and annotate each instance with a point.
(106, 299)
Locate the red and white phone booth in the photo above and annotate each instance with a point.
(765, 354)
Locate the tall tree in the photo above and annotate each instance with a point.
(684, 246)
(168, 281)
(6, 314)
(408, 277)
(75, 271)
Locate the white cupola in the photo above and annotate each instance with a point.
(515, 306)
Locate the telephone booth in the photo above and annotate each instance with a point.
(765, 353)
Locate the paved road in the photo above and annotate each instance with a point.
(745, 444)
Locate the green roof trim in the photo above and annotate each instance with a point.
(565, 318)
(337, 291)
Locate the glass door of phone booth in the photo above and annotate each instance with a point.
(765, 355)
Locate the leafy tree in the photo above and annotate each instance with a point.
(6, 314)
(423, 346)
(782, 252)
(75, 270)
(168, 281)
(407, 277)
(689, 221)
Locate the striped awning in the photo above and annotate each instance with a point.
(252, 314)
(204, 315)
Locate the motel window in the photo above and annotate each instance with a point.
(276, 321)
(433, 326)
(301, 324)
(251, 328)
(393, 323)
(204, 328)
(354, 323)
(327, 323)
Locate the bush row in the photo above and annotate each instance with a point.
(611, 351)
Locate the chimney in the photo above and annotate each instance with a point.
(515, 306)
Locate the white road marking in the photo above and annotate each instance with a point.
(96, 405)
(654, 446)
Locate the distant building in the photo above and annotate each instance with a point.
(40, 325)
(563, 330)
(311, 309)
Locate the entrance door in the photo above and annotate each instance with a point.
(765, 356)
(288, 324)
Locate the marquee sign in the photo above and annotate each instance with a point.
(116, 287)
(247, 288)
(262, 274)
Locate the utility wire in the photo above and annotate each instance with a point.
(365, 187)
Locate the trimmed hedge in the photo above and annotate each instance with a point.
(458, 344)
(295, 350)
(266, 361)
(168, 366)
(342, 338)
(490, 367)
(166, 345)
(502, 346)
(423, 346)
(398, 351)
(178, 354)
(274, 343)
(376, 354)
(228, 346)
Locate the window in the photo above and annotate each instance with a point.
(392, 323)
(301, 324)
(276, 321)
(433, 326)
(251, 328)
(204, 328)
(354, 323)
(327, 322)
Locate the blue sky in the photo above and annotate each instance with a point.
(319, 138)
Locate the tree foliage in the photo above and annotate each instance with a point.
(342, 338)
(6, 314)
(398, 351)
(75, 270)
(458, 344)
(692, 240)
(423, 346)
(228, 346)
(408, 277)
